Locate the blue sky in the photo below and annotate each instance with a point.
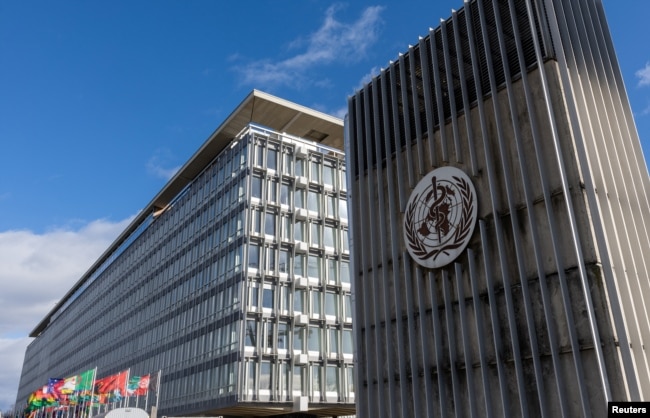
(100, 101)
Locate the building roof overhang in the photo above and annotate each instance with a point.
(260, 108)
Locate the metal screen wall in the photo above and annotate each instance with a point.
(527, 321)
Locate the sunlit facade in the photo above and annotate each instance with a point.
(510, 118)
(234, 282)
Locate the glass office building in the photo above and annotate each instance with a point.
(234, 281)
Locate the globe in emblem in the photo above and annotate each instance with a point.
(440, 217)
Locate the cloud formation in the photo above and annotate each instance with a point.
(644, 75)
(37, 270)
(159, 165)
(334, 41)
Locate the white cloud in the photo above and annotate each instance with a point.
(334, 41)
(159, 164)
(37, 270)
(644, 75)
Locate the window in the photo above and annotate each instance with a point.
(331, 205)
(331, 305)
(313, 201)
(298, 379)
(265, 376)
(256, 221)
(268, 294)
(253, 296)
(314, 339)
(270, 340)
(329, 234)
(315, 235)
(251, 333)
(299, 265)
(287, 162)
(251, 377)
(299, 339)
(345, 243)
(315, 376)
(285, 192)
(299, 231)
(272, 159)
(331, 270)
(333, 340)
(270, 259)
(272, 195)
(314, 266)
(316, 307)
(253, 256)
(300, 167)
(299, 199)
(283, 266)
(315, 171)
(283, 336)
(347, 342)
(256, 187)
(328, 173)
(343, 209)
(350, 378)
(345, 272)
(285, 227)
(331, 378)
(299, 301)
(269, 223)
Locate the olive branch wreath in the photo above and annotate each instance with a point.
(464, 226)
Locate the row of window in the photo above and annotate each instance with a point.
(267, 335)
(280, 299)
(282, 380)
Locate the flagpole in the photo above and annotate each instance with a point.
(158, 390)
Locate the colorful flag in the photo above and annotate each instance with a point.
(113, 385)
(69, 385)
(138, 385)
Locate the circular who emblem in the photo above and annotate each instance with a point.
(440, 217)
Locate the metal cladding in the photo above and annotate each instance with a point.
(543, 314)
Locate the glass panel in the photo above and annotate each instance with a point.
(315, 375)
(265, 375)
(272, 195)
(343, 209)
(334, 340)
(331, 205)
(298, 231)
(268, 296)
(299, 199)
(283, 336)
(345, 272)
(300, 167)
(298, 373)
(299, 265)
(288, 163)
(345, 244)
(256, 222)
(328, 240)
(256, 187)
(330, 304)
(283, 266)
(270, 340)
(314, 339)
(269, 224)
(299, 301)
(347, 341)
(299, 338)
(314, 266)
(272, 161)
(253, 256)
(347, 299)
(251, 376)
(251, 333)
(313, 201)
(331, 270)
(332, 378)
(315, 234)
(270, 258)
(284, 194)
(315, 171)
(350, 379)
(316, 307)
(328, 174)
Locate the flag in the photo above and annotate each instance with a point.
(84, 385)
(138, 385)
(69, 385)
(113, 385)
(154, 379)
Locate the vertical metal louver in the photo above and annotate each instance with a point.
(437, 68)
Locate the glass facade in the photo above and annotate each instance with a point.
(238, 291)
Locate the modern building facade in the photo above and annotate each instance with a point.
(234, 281)
(499, 211)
